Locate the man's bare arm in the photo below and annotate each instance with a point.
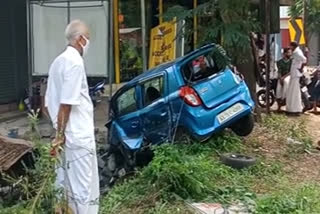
(63, 118)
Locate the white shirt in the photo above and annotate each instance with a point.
(67, 84)
(273, 65)
(297, 60)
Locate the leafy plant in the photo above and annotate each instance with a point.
(33, 117)
(309, 8)
(184, 172)
(225, 22)
(36, 188)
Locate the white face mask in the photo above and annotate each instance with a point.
(85, 48)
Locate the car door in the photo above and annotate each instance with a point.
(127, 122)
(155, 112)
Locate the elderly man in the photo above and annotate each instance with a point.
(71, 112)
(294, 101)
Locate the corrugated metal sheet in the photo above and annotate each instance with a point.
(11, 151)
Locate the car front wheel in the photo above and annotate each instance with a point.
(243, 126)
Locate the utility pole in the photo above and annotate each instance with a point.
(305, 17)
(110, 49)
(267, 27)
(116, 39)
(144, 37)
(195, 25)
(160, 11)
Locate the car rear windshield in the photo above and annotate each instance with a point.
(200, 68)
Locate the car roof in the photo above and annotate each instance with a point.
(160, 68)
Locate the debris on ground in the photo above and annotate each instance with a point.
(12, 150)
(292, 141)
(216, 208)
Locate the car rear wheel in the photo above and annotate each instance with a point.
(243, 126)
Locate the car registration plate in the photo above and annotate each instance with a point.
(230, 112)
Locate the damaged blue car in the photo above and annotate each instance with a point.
(196, 95)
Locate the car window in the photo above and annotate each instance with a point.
(153, 90)
(126, 102)
(200, 68)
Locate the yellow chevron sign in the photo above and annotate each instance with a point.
(296, 31)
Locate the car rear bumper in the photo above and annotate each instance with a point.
(202, 122)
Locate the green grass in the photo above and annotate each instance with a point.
(182, 173)
(281, 127)
(302, 200)
(193, 172)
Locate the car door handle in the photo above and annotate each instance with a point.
(134, 124)
(163, 114)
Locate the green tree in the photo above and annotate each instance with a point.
(131, 11)
(229, 23)
(311, 8)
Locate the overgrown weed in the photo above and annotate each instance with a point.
(301, 200)
(191, 172)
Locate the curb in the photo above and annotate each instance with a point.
(12, 115)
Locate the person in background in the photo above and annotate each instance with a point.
(273, 65)
(71, 112)
(283, 65)
(315, 90)
(294, 101)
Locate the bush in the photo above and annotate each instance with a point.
(35, 189)
(180, 171)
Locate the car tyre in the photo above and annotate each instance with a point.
(237, 161)
(243, 126)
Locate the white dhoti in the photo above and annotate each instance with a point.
(282, 90)
(78, 179)
(294, 101)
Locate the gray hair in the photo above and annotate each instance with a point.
(75, 29)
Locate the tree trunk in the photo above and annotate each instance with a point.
(249, 71)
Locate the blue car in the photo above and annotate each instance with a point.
(192, 95)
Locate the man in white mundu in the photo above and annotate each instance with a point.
(294, 101)
(71, 112)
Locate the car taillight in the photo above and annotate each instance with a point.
(189, 96)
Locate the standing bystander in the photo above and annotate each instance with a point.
(71, 112)
(283, 65)
(294, 101)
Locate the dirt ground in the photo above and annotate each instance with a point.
(313, 124)
(301, 167)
